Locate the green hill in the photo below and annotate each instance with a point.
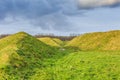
(97, 41)
(58, 41)
(51, 41)
(20, 54)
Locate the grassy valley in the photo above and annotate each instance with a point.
(82, 65)
(91, 56)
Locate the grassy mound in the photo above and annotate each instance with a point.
(51, 41)
(97, 41)
(58, 41)
(20, 54)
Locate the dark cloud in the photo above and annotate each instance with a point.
(91, 4)
(28, 8)
(47, 14)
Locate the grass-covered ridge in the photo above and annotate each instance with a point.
(97, 41)
(21, 54)
(51, 41)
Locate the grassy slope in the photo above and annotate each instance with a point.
(31, 59)
(58, 41)
(97, 41)
(83, 66)
(21, 53)
(51, 41)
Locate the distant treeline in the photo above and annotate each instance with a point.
(64, 38)
(4, 35)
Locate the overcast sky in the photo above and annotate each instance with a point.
(60, 17)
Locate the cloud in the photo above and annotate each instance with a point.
(90, 4)
(36, 8)
(38, 16)
(28, 8)
(41, 14)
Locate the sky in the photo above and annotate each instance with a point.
(60, 17)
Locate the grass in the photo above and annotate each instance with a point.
(83, 66)
(21, 53)
(51, 41)
(23, 57)
(97, 41)
(58, 41)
